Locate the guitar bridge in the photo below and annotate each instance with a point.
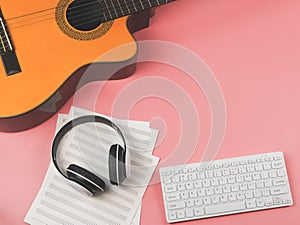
(7, 52)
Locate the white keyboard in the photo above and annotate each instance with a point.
(227, 186)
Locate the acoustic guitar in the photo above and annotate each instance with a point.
(46, 47)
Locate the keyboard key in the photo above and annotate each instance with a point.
(264, 175)
(218, 190)
(224, 198)
(189, 212)
(190, 203)
(256, 176)
(260, 184)
(286, 201)
(240, 196)
(243, 162)
(259, 160)
(268, 201)
(232, 197)
(217, 166)
(215, 199)
(225, 172)
(239, 178)
(248, 177)
(258, 167)
(226, 164)
(217, 173)
(193, 194)
(257, 193)
(279, 181)
(249, 194)
(234, 187)
(272, 173)
(260, 202)
(267, 166)
(268, 183)
(200, 175)
(223, 180)
(269, 158)
(166, 173)
(279, 190)
(265, 192)
(192, 176)
(184, 194)
(180, 214)
(243, 186)
(209, 191)
(243, 169)
(277, 165)
(280, 172)
(176, 205)
(198, 184)
(206, 183)
(172, 215)
(250, 204)
(251, 185)
(209, 174)
(167, 181)
(234, 163)
(181, 186)
(201, 192)
(225, 208)
(199, 211)
(173, 196)
(189, 185)
(250, 168)
(226, 188)
(184, 177)
(277, 202)
(207, 200)
(214, 181)
(234, 170)
(198, 201)
(185, 170)
(170, 188)
(252, 161)
(231, 179)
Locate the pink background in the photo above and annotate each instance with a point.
(254, 49)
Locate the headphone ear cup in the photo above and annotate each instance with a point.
(85, 178)
(117, 167)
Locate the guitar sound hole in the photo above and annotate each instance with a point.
(85, 15)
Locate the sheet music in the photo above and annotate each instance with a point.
(58, 203)
(138, 134)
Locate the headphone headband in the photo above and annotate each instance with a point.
(78, 121)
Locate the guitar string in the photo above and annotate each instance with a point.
(44, 10)
(16, 42)
(111, 10)
(112, 7)
(49, 14)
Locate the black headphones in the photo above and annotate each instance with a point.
(88, 182)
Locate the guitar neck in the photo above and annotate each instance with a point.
(118, 8)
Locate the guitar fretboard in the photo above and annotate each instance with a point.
(117, 8)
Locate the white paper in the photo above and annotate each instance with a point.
(138, 135)
(58, 203)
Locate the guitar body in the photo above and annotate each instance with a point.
(53, 59)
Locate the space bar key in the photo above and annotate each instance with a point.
(229, 207)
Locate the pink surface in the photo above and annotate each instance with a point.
(254, 49)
